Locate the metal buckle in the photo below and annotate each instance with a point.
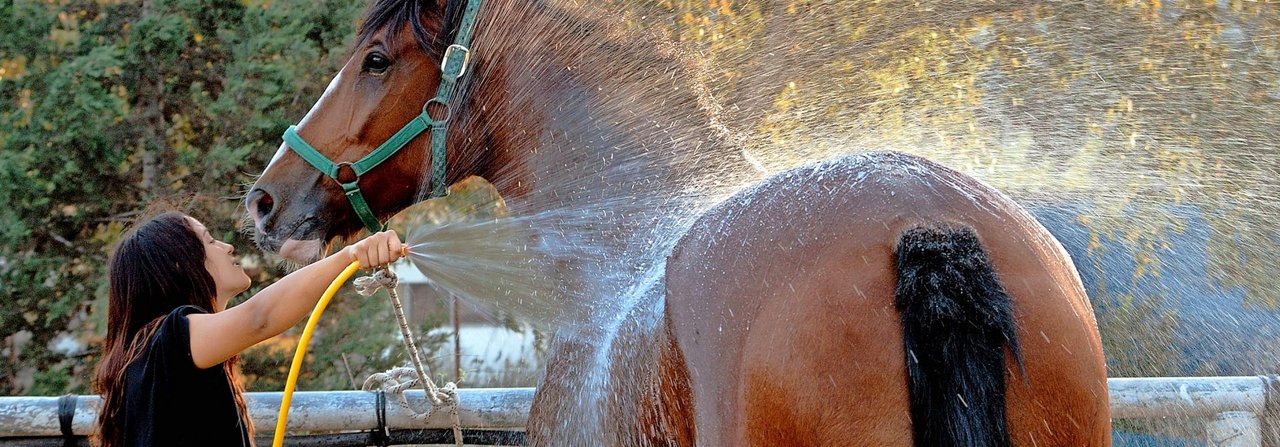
(337, 174)
(466, 59)
(448, 112)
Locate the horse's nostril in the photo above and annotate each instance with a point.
(262, 204)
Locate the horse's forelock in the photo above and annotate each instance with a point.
(388, 16)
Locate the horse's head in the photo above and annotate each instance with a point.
(556, 112)
(394, 69)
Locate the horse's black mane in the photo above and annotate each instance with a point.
(390, 15)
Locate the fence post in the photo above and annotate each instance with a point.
(1234, 429)
(1271, 411)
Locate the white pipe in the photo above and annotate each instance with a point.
(1154, 397)
(485, 408)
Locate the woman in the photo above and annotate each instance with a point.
(168, 377)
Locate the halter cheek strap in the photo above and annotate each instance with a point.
(452, 67)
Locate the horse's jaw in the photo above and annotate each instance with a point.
(302, 252)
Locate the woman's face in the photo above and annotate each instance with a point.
(220, 261)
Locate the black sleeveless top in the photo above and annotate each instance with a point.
(170, 402)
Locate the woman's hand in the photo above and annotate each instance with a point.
(376, 250)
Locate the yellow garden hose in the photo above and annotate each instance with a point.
(283, 420)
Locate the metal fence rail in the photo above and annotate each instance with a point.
(1237, 410)
(311, 411)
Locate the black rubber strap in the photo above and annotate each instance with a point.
(380, 436)
(66, 415)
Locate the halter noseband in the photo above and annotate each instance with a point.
(452, 69)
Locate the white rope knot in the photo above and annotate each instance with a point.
(382, 278)
(399, 379)
(402, 378)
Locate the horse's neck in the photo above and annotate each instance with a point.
(585, 115)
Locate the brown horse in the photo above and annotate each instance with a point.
(872, 300)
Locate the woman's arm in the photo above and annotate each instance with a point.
(218, 336)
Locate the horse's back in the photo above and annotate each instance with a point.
(782, 301)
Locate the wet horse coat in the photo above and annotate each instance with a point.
(781, 303)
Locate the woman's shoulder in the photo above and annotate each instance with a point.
(175, 324)
(172, 339)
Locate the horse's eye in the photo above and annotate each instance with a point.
(376, 63)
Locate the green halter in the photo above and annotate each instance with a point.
(452, 69)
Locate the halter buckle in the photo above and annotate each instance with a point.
(466, 59)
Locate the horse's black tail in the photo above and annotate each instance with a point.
(957, 321)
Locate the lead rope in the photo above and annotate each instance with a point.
(394, 380)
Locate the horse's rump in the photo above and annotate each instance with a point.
(782, 300)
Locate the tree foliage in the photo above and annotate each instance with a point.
(1134, 109)
(110, 106)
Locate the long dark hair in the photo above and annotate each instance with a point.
(156, 267)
